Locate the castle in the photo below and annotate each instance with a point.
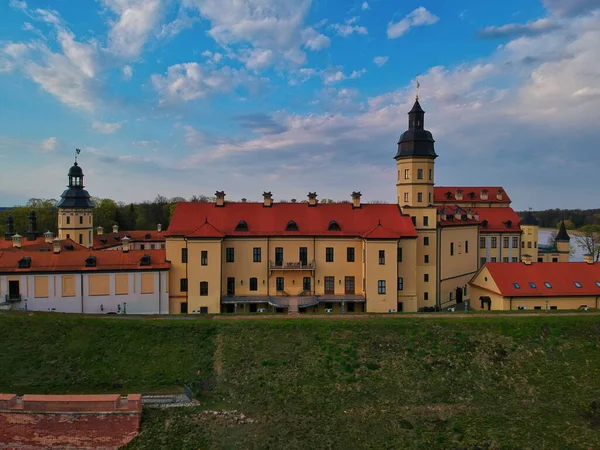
(418, 254)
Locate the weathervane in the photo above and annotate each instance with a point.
(418, 87)
(77, 151)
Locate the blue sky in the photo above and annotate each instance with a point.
(183, 97)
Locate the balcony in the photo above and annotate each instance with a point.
(12, 298)
(291, 265)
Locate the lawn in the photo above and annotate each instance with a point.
(465, 383)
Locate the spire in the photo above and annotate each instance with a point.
(416, 141)
(562, 233)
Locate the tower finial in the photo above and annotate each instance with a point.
(418, 88)
(77, 152)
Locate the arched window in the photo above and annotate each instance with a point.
(90, 261)
(291, 226)
(333, 226)
(241, 226)
(145, 261)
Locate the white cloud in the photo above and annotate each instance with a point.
(313, 40)
(258, 58)
(380, 61)
(15, 50)
(346, 29)
(513, 30)
(136, 21)
(49, 145)
(331, 76)
(127, 72)
(214, 57)
(106, 127)
(18, 4)
(364, 6)
(418, 17)
(191, 81)
(587, 92)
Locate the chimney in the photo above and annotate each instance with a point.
(499, 194)
(457, 215)
(469, 214)
(32, 233)
(483, 194)
(99, 231)
(268, 199)
(10, 228)
(526, 259)
(125, 242)
(312, 199)
(220, 198)
(476, 216)
(293, 200)
(588, 258)
(17, 240)
(115, 229)
(244, 200)
(159, 228)
(56, 245)
(356, 199)
(48, 237)
(459, 194)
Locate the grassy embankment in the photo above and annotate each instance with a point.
(505, 382)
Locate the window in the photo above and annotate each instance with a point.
(204, 258)
(430, 174)
(451, 248)
(254, 284)
(505, 259)
(204, 310)
(68, 236)
(537, 307)
(400, 283)
(532, 285)
(334, 226)
(425, 221)
(482, 261)
(230, 286)
(494, 242)
(399, 254)
(291, 226)
(522, 244)
(420, 197)
(183, 284)
(529, 244)
(548, 285)
(68, 220)
(426, 278)
(414, 220)
(515, 242)
(419, 174)
(493, 259)
(482, 242)
(303, 256)
(406, 174)
(90, 261)
(256, 255)
(329, 254)
(80, 239)
(515, 259)
(466, 246)
(204, 288)
(279, 256)
(425, 295)
(241, 226)
(229, 254)
(577, 284)
(534, 244)
(152, 246)
(142, 247)
(505, 242)
(429, 196)
(381, 257)
(80, 220)
(279, 283)
(554, 259)
(426, 241)
(184, 255)
(516, 286)
(406, 197)
(306, 284)
(554, 307)
(426, 259)
(350, 254)
(381, 287)
(451, 296)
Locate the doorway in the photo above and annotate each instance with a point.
(459, 295)
(13, 289)
(230, 286)
(329, 285)
(349, 285)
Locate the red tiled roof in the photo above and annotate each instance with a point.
(451, 210)
(189, 218)
(40, 245)
(134, 236)
(24, 242)
(75, 261)
(561, 276)
(497, 220)
(440, 192)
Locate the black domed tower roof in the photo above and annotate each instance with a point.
(529, 220)
(75, 196)
(416, 141)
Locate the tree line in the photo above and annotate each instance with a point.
(574, 218)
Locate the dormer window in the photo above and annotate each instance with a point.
(484, 224)
(145, 260)
(472, 195)
(449, 195)
(548, 285)
(241, 226)
(68, 247)
(516, 285)
(577, 284)
(532, 285)
(508, 223)
(146, 236)
(90, 261)
(484, 194)
(291, 226)
(333, 226)
(117, 238)
(25, 262)
(103, 241)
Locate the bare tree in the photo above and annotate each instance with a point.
(588, 240)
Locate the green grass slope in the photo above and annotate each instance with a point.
(471, 383)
